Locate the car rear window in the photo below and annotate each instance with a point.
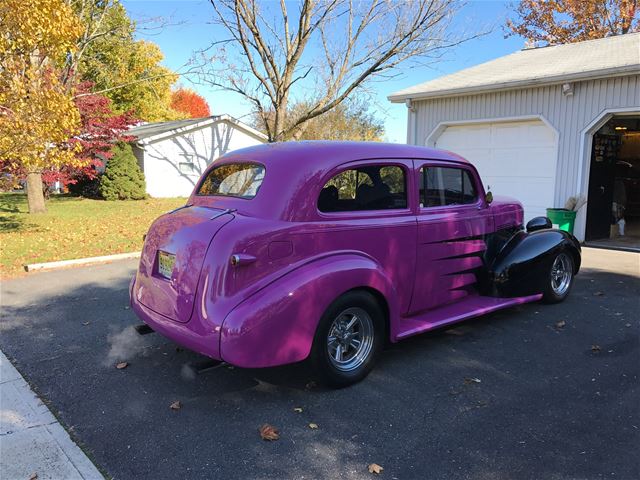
(233, 180)
(365, 188)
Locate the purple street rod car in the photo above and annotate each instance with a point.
(327, 250)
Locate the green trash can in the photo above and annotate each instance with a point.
(562, 218)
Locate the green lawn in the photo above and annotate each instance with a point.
(73, 228)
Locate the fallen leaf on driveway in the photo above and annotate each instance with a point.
(268, 432)
(85, 323)
(595, 348)
(313, 426)
(122, 365)
(598, 294)
(375, 468)
(310, 385)
(469, 381)
(297, 410)
(455, 331)
(561, 324)
(33, 476)
(176, 405)
(627, 324)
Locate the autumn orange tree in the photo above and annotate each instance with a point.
(120, 66)
(554, 22)
(189, 103)
(37, 112)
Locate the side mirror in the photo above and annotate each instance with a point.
(488, 198)
(538, 223)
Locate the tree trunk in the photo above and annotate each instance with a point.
(35, 197)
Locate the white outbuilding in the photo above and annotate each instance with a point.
(545, 124)
(174, 154)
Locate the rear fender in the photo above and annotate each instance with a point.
(277, 324)
(522, 265)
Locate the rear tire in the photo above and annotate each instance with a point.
(559, 278)
(349, 339)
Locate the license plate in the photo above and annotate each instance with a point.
(166, 261)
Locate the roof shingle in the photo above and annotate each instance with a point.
(148, 131)
(599, 58)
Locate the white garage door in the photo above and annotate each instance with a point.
(517, 159)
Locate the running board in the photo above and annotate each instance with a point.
(469, 307)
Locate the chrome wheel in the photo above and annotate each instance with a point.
(561, 273)
(350, 339)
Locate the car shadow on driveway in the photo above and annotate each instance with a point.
(536, 391)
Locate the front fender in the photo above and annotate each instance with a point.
(277, 324)
(523, 264)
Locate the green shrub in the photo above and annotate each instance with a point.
(122, 178)
(86, 187)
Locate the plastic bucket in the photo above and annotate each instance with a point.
(562, 218)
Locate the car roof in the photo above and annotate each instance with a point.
(323, 155)
(297, 170)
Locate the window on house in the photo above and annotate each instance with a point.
(365, 188)
(187, 166)
(442, 186)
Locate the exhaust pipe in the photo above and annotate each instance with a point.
(143, 329)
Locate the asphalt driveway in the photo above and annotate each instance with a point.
(533, 392)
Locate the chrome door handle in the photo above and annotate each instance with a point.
(238, 259)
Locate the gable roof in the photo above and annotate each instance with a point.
(604, 57)
(150, 132)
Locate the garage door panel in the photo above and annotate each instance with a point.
(474, 137)
(508, 136)
(541, 135)
(481, 156)
(539, 161)
(533, 212)
(517, 159)
(534, 189)
(528, 135)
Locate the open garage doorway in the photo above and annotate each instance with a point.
(613, 208)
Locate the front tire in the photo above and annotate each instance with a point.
(349, 339)
(560, 278)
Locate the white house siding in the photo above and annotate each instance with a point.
(162, 157)
(569, 115)
(139, 154)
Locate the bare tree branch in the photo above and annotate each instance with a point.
(332, 48)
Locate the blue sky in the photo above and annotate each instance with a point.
(190, 30)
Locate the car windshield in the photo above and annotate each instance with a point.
(233, 180)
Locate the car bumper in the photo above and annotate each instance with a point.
(197, 334)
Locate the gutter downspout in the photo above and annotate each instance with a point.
(412, 123)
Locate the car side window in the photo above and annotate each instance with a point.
(441, 186)
(375, 187)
